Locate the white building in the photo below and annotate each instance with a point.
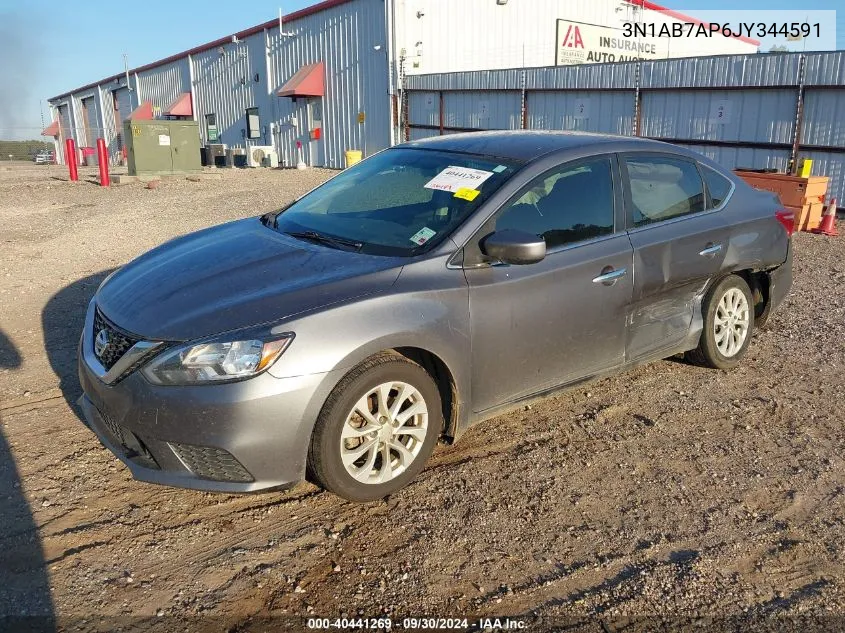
(330, 75)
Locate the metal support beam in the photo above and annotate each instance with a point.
(441, 113)
(799, 116)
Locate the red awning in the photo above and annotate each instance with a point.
(308, 81)
(183, 106)
(52, 129)
(143, 112)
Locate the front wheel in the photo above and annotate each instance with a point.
(376, 430)
(728, 325)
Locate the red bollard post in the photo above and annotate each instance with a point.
(70, 159)
(103, 162)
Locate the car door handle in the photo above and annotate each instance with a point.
(609, 276)
(711, 250)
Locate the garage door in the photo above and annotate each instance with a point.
(64, 118)
(122, 106)
(122, 100)
(89, 121)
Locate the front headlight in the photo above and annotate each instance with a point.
(215, 361)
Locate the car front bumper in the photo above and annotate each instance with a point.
(244, 436)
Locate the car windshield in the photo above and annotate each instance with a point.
(402, 201)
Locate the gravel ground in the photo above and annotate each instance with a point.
(670, 491)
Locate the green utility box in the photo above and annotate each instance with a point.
(158, 147)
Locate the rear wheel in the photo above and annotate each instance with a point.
(728, 324)
(376, 430)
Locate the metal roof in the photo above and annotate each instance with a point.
(528, 144)
(316, 8)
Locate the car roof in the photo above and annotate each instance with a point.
(527, 145)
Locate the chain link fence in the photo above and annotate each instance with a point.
(28, 144)
(23, 144)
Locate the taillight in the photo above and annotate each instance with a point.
(787, 218)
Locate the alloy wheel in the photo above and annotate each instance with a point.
(384, 432)
(731, 322)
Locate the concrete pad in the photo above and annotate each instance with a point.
(123, 179)
(150, 177)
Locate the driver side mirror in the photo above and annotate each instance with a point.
(514, 247)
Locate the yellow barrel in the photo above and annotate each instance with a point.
(353, 156)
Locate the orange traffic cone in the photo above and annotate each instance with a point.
(828, 225)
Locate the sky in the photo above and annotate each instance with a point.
(50, 46)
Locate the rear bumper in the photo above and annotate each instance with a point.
(246, 436)
(780, 281)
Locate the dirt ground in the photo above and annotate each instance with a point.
(670, 491)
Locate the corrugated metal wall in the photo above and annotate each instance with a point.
(65, 121)
(107, 120)
(733, 157)
(608, 112)
(113, 121)
(78, 129)
(824, 117)
(162, 85)
(482, 110)
(766, 116)
(721, 71)
(236, 76)
(424, 108)
(825, 69)
(343, 37)
(592, 77)
(740, 110)
(225, 86)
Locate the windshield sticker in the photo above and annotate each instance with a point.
(500, 169)
(453, 178)
(422, 236)
(467, 194)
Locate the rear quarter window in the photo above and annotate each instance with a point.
(718, 187)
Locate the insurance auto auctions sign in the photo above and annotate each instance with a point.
(583, 43)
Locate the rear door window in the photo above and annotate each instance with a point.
(662, 187)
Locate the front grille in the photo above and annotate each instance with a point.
(119, 342)
(212, 463)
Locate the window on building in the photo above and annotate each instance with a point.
(718, 187)
(663, 188)
(253, 123)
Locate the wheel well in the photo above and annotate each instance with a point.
(444, 380)
(758, 282)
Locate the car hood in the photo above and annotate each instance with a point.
(233, 276)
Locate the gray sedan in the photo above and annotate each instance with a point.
(432, 286)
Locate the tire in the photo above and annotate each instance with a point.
(725, 312)
(337, 439)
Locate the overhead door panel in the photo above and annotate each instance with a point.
(122, 103)
(89, 121)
